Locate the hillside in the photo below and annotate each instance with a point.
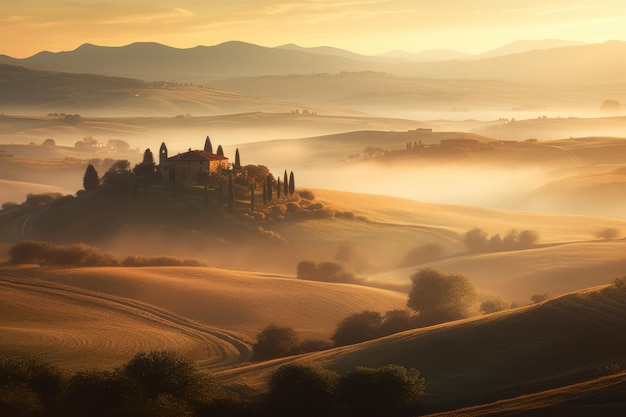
(240, 301)
(84, 329)
(505, 355)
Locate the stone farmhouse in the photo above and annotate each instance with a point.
(185, 168)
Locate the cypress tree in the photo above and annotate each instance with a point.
(278, 187)
(237, 161)
(91, 180)
(264, 194)
(220, 151)
(208, 147)
(231, 193)
(292, 184)
(269, 187)
(252, 187)
(285, 184)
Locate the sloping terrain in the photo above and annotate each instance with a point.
(603, 396)
(83, 329)
(559, 342)
(240, 301)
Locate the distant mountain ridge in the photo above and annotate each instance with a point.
(548, 59)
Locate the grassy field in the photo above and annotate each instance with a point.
(477, 361)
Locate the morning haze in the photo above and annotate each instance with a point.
(267, 208)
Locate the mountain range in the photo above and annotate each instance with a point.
(546, 61)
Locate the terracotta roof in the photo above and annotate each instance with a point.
(197, 155)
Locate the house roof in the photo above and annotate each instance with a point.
(197, 155)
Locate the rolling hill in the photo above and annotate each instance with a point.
(529, 350)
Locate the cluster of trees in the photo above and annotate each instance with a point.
(158, 383)
(304, 390)
(325, 271)
(479, 241)
(163, 383)
(37, 252)
(435, 297)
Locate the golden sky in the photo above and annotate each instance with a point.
(364, 26)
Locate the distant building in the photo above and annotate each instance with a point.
(186, 167)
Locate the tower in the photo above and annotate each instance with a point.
(162, 153)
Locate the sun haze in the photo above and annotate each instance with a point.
(364, 26)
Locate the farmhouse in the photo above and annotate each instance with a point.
(187, 167)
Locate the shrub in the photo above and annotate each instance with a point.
(43, 253)
(440, 297)
(607, 233)
(478, 241)
(386, 391)
(306, 194)
(275, 342)
(326, 271)
(538, 298)
(494, 305)
(42, 199)
(302, 390)
(428, 252)
(358, 327)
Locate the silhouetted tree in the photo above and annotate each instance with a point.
(147, 165)
(252, 188)
(264, 194)
(231, 193)
(118, 177)
(208, 147)
(441, 297)
(275, 342)
(269, 185)
(358, 327)
(302, 390)
(391, 390)
(278, 188)
(292, 184)
(237, 161)
(91, 180)
(220, 151)
(285, 184)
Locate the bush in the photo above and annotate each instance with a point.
(607, 233)
(478, 241)
(368, 325)
(325, 271)
(43, 253)
(42, 199)
(440, 297)
(538, 298)
(391, 390)
(275, 342)
(428, 252)
(302, 390)
(306, 194)
(494, 305)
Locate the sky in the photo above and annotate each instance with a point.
(364, 26)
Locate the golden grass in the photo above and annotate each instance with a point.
(243, 302)
(476, 361)
(517, 275)
(80, 329)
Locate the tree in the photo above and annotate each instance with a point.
(476, 240)
(208, 147)
(358, 327)
(274, 342)
(147, 165)
(91, 180)
(278, 188)
(237, 161)
(292, 184)
(302, 390)
(162, 372)
(231, 193)
(493, 305)
(220, 151)
(285, 184)
(611, 106)
(391, 390)
(440, 297)
(269, 185)
(118, 177)
(252, 188)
